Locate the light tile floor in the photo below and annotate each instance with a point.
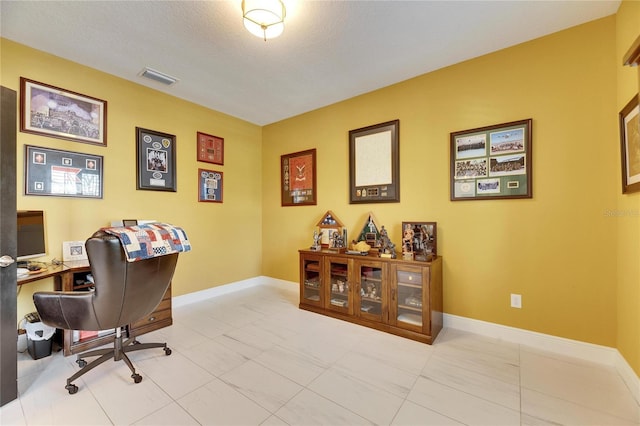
(253, 358)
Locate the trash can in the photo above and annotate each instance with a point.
(39, 339)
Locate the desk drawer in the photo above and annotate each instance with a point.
(156, 316)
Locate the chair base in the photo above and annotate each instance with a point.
(117, 353)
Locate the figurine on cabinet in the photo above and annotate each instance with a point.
(387, 248)
(407, 242)
(407, 239)
(317, 237)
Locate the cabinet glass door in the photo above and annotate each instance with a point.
(338, 273)
(312, 283)
(371, 290)
(409, 298)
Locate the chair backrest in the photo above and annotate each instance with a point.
(125, 291)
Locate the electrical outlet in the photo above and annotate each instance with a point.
(516, 301)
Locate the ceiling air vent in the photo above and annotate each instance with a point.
(158, 76)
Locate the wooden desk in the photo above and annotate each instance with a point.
(65, 277)
(61, 274)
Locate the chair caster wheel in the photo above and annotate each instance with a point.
(167, 351)
(136, 378)
(135, 342)
(81, 362)
(71, 388)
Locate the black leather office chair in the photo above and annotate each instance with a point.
(124, 293)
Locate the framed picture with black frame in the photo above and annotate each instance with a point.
(374, 163)
(62, 173)
(493, 162)
(156, 160)
(630, 146)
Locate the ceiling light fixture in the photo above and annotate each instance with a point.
(264, 18)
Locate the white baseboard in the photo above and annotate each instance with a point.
(629, 376)
(573, 348)
(208, 293)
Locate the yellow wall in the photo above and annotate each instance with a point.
(557, 249)
(226, 238)
(627, 219)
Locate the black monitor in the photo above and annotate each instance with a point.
(31, 235)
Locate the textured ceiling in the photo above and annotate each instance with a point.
(330, 50)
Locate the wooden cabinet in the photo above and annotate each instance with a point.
(311, 288)
(337, 274)
(370, 293)
(392, 295)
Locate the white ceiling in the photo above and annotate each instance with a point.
(330, 50)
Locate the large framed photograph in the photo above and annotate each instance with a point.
(156, 160)
(630, 146)
(374, 164)
(493, 162)
(62, 173)
(210, 148)
(298, 178)
(209, 186)
(419, 241)
(51, 111)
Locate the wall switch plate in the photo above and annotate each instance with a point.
(516, 301)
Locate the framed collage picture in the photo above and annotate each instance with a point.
(156, 160)
(209, 186)
(58, 113)
(493, 162)
(298, 178)
(62, 173)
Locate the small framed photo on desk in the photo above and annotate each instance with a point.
(73, 251)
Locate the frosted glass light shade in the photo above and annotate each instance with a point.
(264, 18)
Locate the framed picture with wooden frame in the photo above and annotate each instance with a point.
(59, 113)
(156, 160)
(209, 186)
(419, 241)
(493, 162)
(374, 163)
(210, 148)
(298, 178)
(630, 146)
